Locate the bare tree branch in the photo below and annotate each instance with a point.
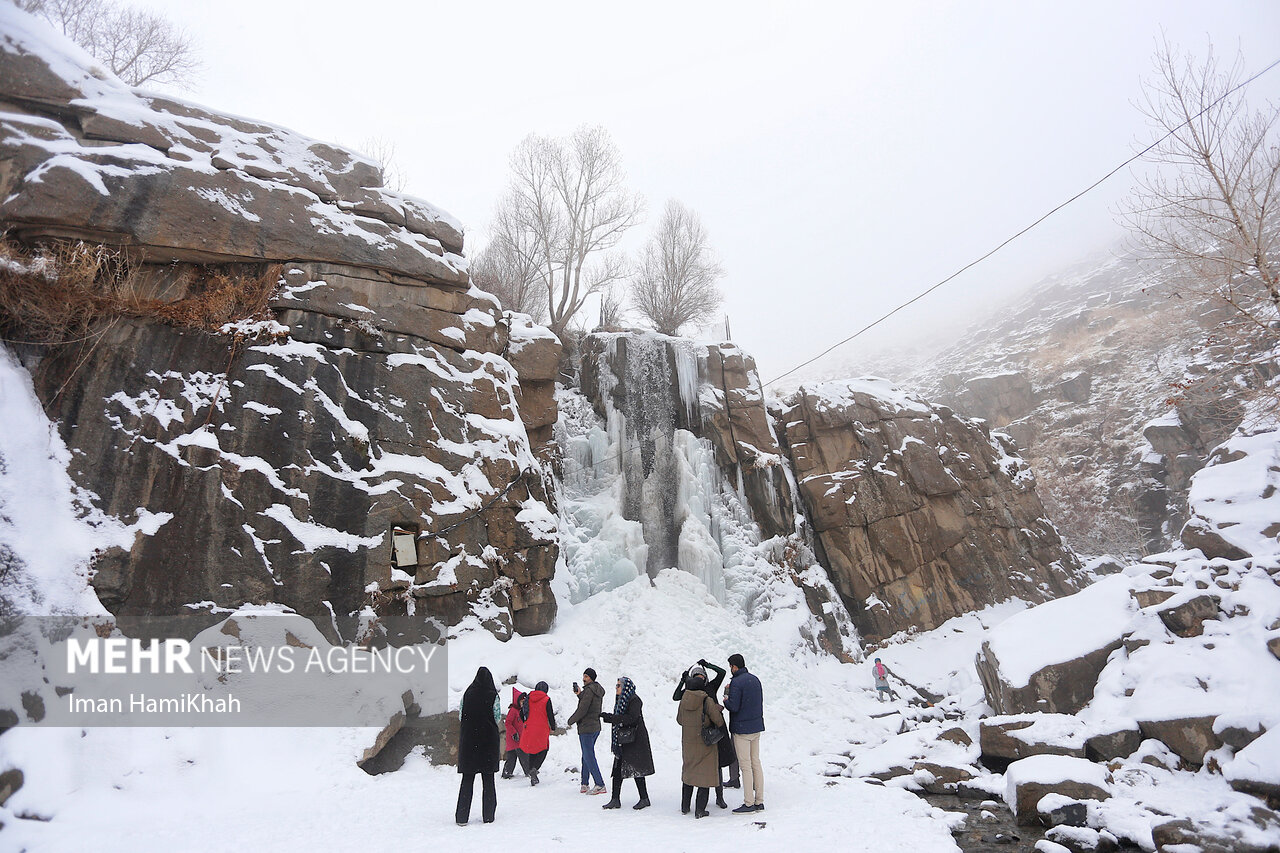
(1207, 211)
(137, 45)
(382, 151)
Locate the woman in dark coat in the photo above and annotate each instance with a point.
(478, 746)
(629, 743)
(701, 766)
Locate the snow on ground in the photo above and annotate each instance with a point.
(299, 789)
(941, 660)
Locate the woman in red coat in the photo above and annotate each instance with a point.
(539, 721)
(515, 728)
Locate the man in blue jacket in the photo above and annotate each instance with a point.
(745, 703)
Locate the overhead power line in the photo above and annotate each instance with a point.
(1024, 230)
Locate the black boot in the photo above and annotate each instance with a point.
(720, 797)
(643, 804)
(686, 796)
(700, 804)
(612, 804)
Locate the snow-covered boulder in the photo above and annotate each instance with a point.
(1256, 768)
(1235, 511)
(1031, 779)
(1006, 739)
(1048, 658)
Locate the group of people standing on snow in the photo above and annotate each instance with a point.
(709, 742)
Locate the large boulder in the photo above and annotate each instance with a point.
(1256, 769)
(1007, 739)
(1049, 658)
(921, 515)
(1190, 738)
(1233, 499)
(1028, 781)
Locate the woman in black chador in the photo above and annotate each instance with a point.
(478, 746)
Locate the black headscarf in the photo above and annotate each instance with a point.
(480, 693)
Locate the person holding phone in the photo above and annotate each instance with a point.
(587, 717)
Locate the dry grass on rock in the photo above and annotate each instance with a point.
(60, 292)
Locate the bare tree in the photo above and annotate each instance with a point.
(674, 284)
(382, 151)
(1208, 210)
(612, 303)
(506, 268)
(567, 206)
(138, 46)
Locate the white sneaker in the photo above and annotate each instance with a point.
(598, 789)
(582, 790)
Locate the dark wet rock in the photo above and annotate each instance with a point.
(1189, 737)
(1112, 745)
(1187, 619)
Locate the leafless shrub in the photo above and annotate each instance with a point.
(382, 151)
(612, 304)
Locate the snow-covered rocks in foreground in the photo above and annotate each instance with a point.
(1048, 658)
(1030, 780)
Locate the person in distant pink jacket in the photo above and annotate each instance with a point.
(881, 672)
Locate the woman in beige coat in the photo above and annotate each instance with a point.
(701, 767)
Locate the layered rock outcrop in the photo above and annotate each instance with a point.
(358, 452)
(919, 514)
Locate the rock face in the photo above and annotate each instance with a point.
(1082, 373)
(282, 460)
(920, 515)
(1002, 397)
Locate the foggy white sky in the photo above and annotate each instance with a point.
(842, 156)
